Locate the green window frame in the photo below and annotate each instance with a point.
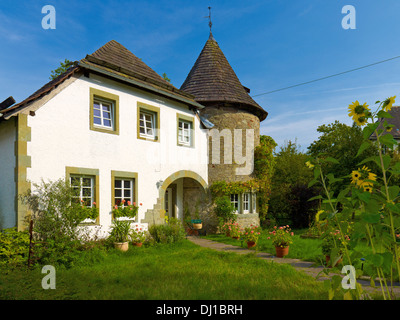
(148, 114)
(182, 131)
(123, 176)
(107, 104)
(84, 173)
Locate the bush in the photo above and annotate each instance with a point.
(171, 232)
(224, 210)
(14, 247)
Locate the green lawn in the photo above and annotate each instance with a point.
(177, 271)
(306, 249)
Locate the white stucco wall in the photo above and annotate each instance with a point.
(61, 137)
(7, 169)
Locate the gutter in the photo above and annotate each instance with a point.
(141, 85)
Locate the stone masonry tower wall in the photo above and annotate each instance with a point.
(231, 118)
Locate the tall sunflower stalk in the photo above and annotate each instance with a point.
(369, 201)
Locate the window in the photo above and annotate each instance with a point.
(123, 190)
(246, 202)
(85, 184)
(148, 124)
(83, 189)
(185, 130)
(235, 201)
(104, 111)
(103, 114)
(124, 187)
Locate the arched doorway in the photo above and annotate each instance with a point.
(179, 193)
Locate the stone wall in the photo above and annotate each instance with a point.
(230, 117)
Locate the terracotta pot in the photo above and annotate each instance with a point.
(137, 244)
(281, 251)
(328, 258)
(250, 244)
(123, 246)
(197, 226)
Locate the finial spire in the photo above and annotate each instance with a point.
(209, 17)
(210, 23)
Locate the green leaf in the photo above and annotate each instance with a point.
(365, 145)
(315, 198)
(370, 217)
(375, 159)
(376, 259)
(311, 183)
(388, 140)
(332, 160)
(393, 192)
(384, 114)
(369, 129)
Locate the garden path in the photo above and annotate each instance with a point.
(305, 266)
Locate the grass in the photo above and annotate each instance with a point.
(306, 249)
(178, 271)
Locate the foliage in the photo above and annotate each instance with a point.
(170, 232)
(138, 235)
(14, 247)
(290, 187)
(368, 202)
(55, 213)
(120, 230)
(251, 233)
(282, 236)
(222, 188)
(224, 210)
(61, 69)
(264, 163)
(233, 229)
(333, 245)
(342, 143)
(302, 211)
(129, 210)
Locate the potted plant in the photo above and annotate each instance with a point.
(251, 235)
(281, 239)
(333, 247)
(120, 234)
(234, 230)
(125, 209)
(138, 236)
(197, 223)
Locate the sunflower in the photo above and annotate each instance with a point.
(359, 112)
(355, 177)
(388, 104)
(367, 186)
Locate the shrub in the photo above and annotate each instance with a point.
(14, 247)
(224, 210)
(171, 232)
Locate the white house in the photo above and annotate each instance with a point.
(113, 124)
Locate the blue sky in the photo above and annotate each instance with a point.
(270, 44)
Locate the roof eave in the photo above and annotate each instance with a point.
(141, 85)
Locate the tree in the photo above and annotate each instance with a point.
(289, 190)
(342, 143)
(61, 69)
(264, 163)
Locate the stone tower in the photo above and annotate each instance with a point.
(228, 106)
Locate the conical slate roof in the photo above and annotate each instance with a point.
(212, 79)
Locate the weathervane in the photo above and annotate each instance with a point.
(209, 18)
